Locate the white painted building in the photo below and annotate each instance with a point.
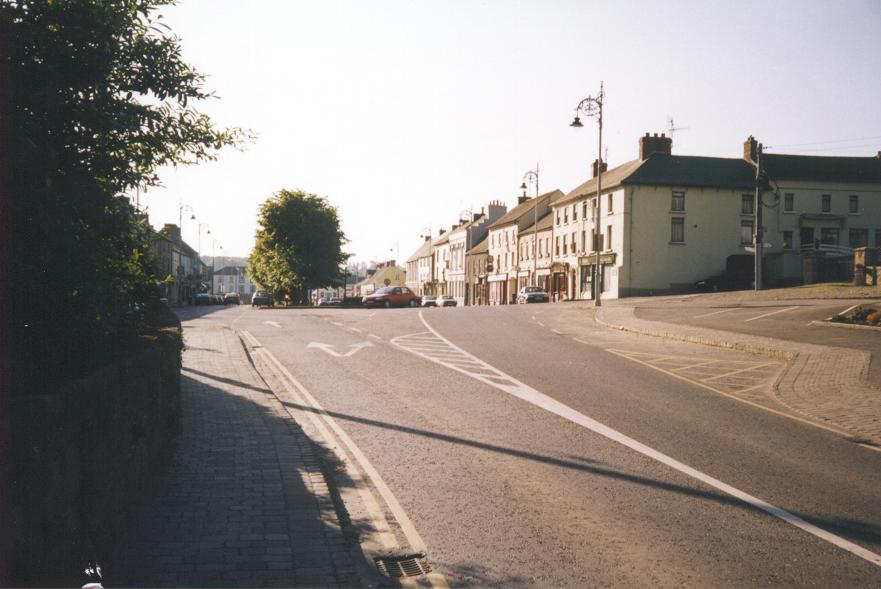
(461, 239)
(233, 279)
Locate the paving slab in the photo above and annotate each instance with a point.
(243, 501)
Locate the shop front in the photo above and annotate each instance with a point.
(498, 289)
(587, 267)
(559, 281)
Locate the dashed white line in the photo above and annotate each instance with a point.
(771, 313)
(373, 336)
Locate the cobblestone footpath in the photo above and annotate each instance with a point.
(827, 384)
(243, 501)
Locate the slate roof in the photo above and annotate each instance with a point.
(690, 170)
(422, 251)
(822, 168)
(445, 238)
(517, 212)
(545, 222)
(611, 179)
(480, 248)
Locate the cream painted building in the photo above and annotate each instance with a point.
(461, 239)
(505, 276)
(441, 263)
(419, 267)
(535, 262)
(667, 221)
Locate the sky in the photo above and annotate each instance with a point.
(404, 115)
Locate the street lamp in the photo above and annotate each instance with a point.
(532, 177)
(180, 216)
(592, 106)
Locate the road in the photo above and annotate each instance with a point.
(530, 447)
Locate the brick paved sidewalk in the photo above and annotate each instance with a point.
(825, 383)
(243, 501)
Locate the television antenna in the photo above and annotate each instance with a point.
(672, 128)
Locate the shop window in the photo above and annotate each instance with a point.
(787, 240)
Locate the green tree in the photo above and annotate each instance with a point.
(100, 99)
(298, 245)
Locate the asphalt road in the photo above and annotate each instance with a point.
(458, 410)
(794, 320)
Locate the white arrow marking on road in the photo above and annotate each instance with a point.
(329, 348)
(272, 323)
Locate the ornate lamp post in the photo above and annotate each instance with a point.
(532, 177)
(592, 106)
(180, 216)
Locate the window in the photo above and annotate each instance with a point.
(593, 240)
(584, 210)
(826, 203)
(565, 245)
(858, 238)
(806, 237)
(829, 236)
(575, 212)
(558, 216)
(746, 204)
(787, 240)
(853, 204)
(610, 203)
(572, 243)
(746, 232)
(584, 241)
(609, 235)
(566, 214)
(788, 202)
(678, 202)
(557, 246)
(677, 230)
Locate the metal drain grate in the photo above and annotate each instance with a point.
(406, 565)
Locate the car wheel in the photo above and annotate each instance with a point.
(387, 304)
(412, 302)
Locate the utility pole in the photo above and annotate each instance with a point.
(759, 235)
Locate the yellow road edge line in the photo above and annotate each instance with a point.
(834, 430)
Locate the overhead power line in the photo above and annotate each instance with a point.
(840, 148)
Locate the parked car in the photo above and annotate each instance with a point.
(532, 294)
(446, 301)
(392, 296)
(261, 298)
(231, 298)
(202, 298)
(322, 301)
(429, 301)
(335, 301)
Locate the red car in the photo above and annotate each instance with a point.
(392, 296)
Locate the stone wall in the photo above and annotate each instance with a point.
(82, 454)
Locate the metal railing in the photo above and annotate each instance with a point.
(833, 250)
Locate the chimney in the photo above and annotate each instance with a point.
(878, 156)
(750, 149)
(477, 216)
(172, 232)
(441, 232)
(428, 238)
(522, 199)
(594, 167)
(652, 144)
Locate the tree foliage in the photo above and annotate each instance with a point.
(298, 245)
(100, 99)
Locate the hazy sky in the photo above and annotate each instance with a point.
(404, 114)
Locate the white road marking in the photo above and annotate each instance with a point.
(374, 336)
(715, 313)
(322, 420)
(329, 348)
(514, 387)
(771, 313)
(272, 323)
(355, 329)
(733, 372)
